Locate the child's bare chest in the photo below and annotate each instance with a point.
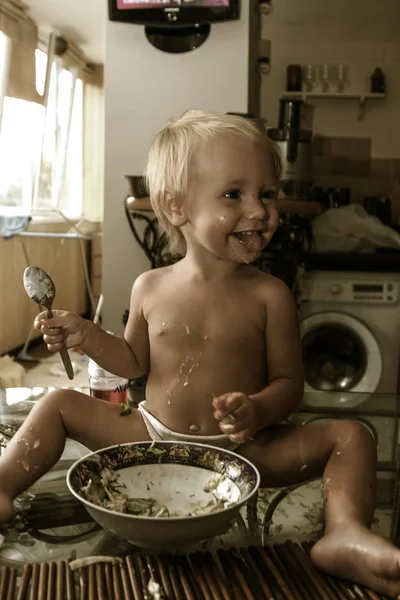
(226, 322)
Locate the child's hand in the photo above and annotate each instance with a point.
(65, 329)
(236, 416)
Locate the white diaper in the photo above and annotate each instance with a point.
(158, 431)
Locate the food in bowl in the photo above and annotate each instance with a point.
(155, 494)
(104, 489)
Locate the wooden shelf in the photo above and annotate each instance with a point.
(360, 98)
(133, 203)
(299, 207)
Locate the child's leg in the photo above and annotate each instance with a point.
(345, 453)
(40, 441)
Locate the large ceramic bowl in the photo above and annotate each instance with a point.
(201, 486)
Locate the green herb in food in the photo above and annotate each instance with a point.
(124, 410)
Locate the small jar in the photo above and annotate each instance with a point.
(378, 81)
(106, 385)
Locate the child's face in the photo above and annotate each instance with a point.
(230, 203)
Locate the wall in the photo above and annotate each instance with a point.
(63, 262)
(143, 89)
(358, 33)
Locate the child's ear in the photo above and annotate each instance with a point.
(175, 210)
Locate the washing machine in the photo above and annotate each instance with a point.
(350, 335)
(350, 331)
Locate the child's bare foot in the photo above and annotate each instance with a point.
(353, 552)
(6, 508)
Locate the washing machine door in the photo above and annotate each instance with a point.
(339, 353)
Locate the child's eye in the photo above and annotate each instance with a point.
(233, 194)
(268, 195)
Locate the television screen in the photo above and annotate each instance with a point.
(172, 12)
(129, 4)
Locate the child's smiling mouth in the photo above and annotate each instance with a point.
(252, 239)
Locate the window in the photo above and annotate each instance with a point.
(41, 148)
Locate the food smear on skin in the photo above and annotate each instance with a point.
(106, 491)
(186, 368)
(25, 464)
(28, 440)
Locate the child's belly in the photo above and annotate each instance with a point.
(181, 395)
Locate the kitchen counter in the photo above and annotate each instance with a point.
(383, 261)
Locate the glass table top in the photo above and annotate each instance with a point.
(15, 403)
(51, 525)
(352, 403)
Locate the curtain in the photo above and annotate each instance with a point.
(93, 143)
(23, 33)
(11, 13)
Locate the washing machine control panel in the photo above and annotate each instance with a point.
(341, 290)
(336, 289)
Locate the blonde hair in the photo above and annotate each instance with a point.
(172, 151)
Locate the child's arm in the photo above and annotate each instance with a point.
(127, 356)
(240, 415)
(284, 391)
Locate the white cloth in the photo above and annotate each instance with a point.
(159, 432)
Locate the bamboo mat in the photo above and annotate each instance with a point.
(281, 572)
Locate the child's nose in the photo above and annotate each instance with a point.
(256, 209)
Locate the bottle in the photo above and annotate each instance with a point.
(378, 81)
(325, 80)
(309, 77)
(294, 78)
(106, 385)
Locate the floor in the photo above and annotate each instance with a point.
(49, 371)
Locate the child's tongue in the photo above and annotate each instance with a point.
(252, 241)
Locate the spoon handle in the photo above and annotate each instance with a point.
(63, 353)
(67, 363)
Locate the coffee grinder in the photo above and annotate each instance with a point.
(295, 145)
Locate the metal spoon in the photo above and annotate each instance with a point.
(40, 287)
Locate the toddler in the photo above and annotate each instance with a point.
(219, 341)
